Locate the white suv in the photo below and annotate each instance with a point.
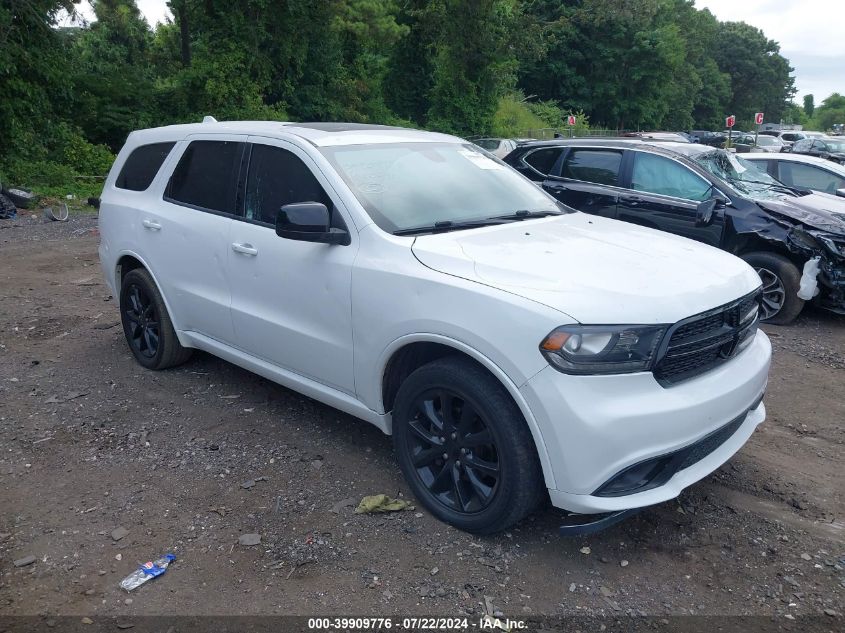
(515, 349)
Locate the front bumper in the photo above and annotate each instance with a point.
(594, 427)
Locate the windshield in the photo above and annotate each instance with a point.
(490, 144)
(743, 175)
(835, 146)
(768, 140)
(408, 185)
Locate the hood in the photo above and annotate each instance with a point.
(596, 270)
(815, 210)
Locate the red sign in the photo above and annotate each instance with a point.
(758, 118)
(729, 122)
(571, 119)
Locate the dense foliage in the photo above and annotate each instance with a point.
(69, 96)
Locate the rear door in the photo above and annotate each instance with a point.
(185, 235)
(537, 163)
(587, 179)
(665, 194)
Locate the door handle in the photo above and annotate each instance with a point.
(245, 249)
(151, 225)
(632, 201)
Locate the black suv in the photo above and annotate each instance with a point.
(829, 148)
(709, 195)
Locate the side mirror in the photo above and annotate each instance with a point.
(704, 211)
(309, 222)
(840, 193)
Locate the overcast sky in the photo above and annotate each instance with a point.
(810, 34)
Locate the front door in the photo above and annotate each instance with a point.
(291, 300)
(665, 194)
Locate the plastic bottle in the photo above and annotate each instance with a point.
(147, 571)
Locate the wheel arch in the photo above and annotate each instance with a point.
(746, 243)
(129, 260)
(408, 353)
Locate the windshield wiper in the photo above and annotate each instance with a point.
(525, 214)
(770, 185)
(449, 225)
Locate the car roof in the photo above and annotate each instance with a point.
(799, 158)
(320, 134)
(668, 148)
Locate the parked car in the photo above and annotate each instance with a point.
(500, 147)
(747, 143)
(673, 187)
(677, 137)
(706, 137)
(829, 148)
(787, 137)
(804, 172)
(515, 349)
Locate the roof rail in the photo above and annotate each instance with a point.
(209, 119)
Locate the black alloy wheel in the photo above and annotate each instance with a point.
(144, 334)
(464, 447)
(453, 451)
(147, 326)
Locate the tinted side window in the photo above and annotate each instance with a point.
(142, 165)
(207, 175)
(543, 160)
(809, 177)
(803, 145)
(593, 165)
(656, 174)
(762, 165)
(278, 177)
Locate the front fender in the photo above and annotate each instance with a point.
(511, 387)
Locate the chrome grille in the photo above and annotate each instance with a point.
(705, 341)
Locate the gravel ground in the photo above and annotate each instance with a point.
(192, 459)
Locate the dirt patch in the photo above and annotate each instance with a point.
(92, 442)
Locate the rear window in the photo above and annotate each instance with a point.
(141, 167)
(207, 176)
(544, 159)
(593, 165)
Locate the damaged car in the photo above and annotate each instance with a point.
(794, 238)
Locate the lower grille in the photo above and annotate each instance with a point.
(656, 471)
(704, 341)
(704, 447)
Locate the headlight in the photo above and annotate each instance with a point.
(602, 349)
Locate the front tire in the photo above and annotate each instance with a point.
(146, 323)
(464, 447)
(781, 280)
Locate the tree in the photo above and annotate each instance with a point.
(113, 82)
(809, 106)
(829, 112)
(760, 77)
(33, 70)
(473, 64)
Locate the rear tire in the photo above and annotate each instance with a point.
(781, 280)
(464, 447)
(146, 323)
